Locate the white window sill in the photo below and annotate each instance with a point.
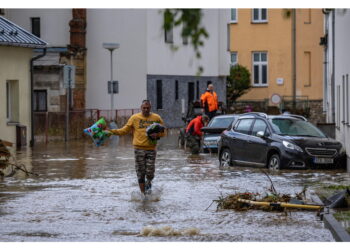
(12, 123)
(260, 86)
(265, 21)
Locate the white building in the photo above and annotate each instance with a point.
(146, 65)
(336, 74)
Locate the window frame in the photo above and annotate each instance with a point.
(239, 122)
(32, 20)
(236, 15)
(159, 94)
(236, 53)
(169, 35)
(260, 20)
(260, 65)
(266, 131)
(12, 102)
(36, 100)
(176, 90)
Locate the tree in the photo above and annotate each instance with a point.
(192, 28)
(238, 83)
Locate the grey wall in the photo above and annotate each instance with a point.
(171, 111)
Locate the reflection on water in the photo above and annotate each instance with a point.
(88, 193)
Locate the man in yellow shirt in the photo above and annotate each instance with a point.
(145, 148)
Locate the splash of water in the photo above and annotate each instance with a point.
(154, 196)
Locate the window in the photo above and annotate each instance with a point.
(12, 101)
(228, 36)
(259, 16)
(36, 26)
(176, 90)
(307, 68)
(40, 100)
(244, 126)
(169, 35)
(307, 16)
(259, 125)
(233, 15)
(184, 38)
(2, 11)
(259, 69)
(190, 92)
(159, 94)
(338, 107)
(197, 90)
(234, 58)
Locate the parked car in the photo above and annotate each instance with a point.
(213, 130)
(278, 141)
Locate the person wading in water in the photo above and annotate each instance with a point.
(144, 147)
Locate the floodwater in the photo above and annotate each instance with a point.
(88, 193)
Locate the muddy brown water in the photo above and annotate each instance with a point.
(87, 193)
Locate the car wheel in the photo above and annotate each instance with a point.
(225, 158)
(274, 162)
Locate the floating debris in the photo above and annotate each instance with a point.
(271, 201)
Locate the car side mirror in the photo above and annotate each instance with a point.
(260, 134)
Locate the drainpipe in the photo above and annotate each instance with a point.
(294, 64)
(32, 94)
(333, 66)
(325, 64)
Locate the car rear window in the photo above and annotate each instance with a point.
(223, 122)
(294, 127)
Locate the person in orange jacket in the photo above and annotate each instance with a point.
(194, 133)
(209, 101)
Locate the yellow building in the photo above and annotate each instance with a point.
(281, 49)
(16, 50)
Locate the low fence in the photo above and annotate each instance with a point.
(311, 109)
(52, 125)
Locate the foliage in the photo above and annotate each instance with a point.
(192, 28)
(238, 83)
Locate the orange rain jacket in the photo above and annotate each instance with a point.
(194, 127)
(209, 101)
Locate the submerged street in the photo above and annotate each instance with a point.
(89, 193)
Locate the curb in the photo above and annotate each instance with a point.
(337, 230)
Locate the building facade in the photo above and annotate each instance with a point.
(16, 50)
(281, 49)
(146, 65)
(336, 74)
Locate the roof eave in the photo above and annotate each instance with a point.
(23, 45)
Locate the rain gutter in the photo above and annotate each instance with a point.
(32, 94)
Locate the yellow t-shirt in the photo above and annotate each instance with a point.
(138, 124)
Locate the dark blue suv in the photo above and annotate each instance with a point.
(278, 141)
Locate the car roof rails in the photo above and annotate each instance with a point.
(296, 116)
(256, 113)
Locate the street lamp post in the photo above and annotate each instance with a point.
(111, 47)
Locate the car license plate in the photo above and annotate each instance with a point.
(323, 160)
